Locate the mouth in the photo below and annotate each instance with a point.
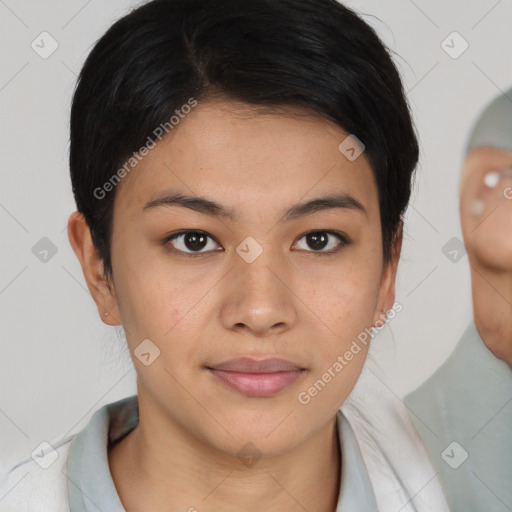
(257, 378)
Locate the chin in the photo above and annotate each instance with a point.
(492, 254)
(498, 261)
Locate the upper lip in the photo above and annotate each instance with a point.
(251, 365)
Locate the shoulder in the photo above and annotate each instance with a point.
(470, 376)
(39, 482)
(450, 379)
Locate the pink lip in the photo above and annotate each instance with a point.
(257, 384)
(257, 378)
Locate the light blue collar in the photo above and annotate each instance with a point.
(90, 484)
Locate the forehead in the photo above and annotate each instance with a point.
(484, 155)
(484, 159)
(246, 157)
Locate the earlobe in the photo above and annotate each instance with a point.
(93, 269)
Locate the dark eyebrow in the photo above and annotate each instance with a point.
(208, 207)
(199, 204)
(335, 201)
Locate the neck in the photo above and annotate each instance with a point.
(160, 466)
(492, 308)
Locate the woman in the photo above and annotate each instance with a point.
(240, 171)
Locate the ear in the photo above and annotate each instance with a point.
(93, 269)
(386, 297)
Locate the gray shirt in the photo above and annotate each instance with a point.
(90, 484)
(464, 414)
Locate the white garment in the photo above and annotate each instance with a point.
(401, 471)
(28, 488)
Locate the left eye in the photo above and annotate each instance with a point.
(319, 240)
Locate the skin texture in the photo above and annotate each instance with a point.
(488, 240)
(290, 302)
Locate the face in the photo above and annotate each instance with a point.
(486, 207)
(255, 276)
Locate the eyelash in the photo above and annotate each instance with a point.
(341, 237)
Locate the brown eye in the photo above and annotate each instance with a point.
(317, 241)
(190, 242)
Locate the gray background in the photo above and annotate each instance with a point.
(59, 363)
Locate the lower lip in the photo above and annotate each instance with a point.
(257, 384)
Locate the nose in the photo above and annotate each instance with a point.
(259, 298)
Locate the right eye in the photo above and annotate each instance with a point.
(191, 243)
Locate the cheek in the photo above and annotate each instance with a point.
(152, 299)
(343, 295)
(343, 303)
(348, 313)
(173, 307)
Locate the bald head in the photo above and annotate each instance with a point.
(494, 125)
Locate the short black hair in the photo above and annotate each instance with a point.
(316, 54)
